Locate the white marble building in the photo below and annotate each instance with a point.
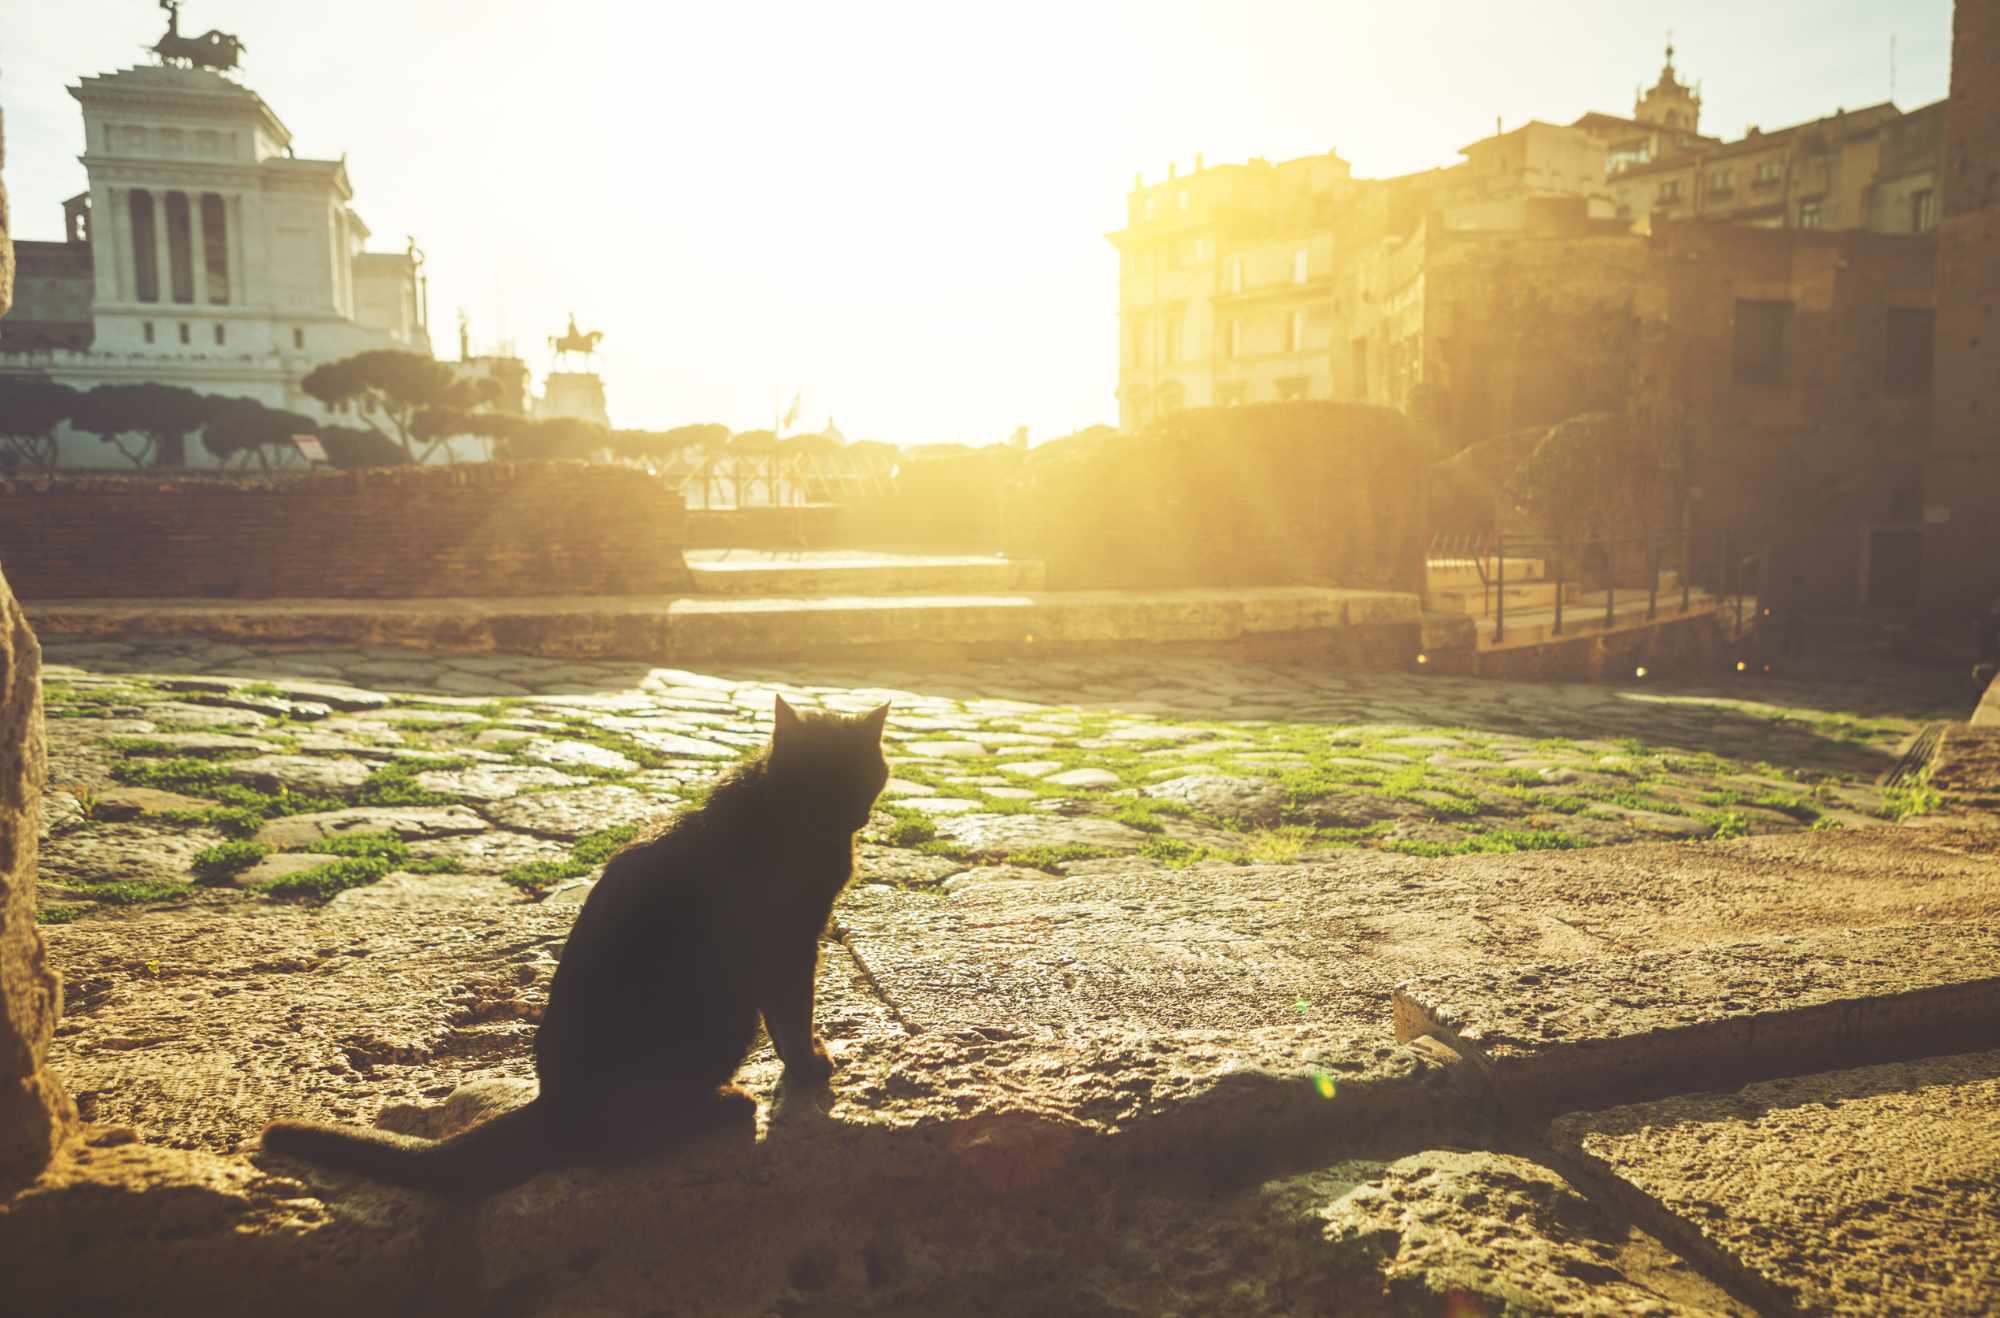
(216, 259)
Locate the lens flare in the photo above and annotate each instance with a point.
(1322, 1082)
(1639, 672)
(1741, 666)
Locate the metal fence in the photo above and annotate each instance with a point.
(1731, 577)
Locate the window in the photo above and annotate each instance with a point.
(1923, 211)
(146, 331)
(1360, 348)
(298, 338)
(1299, 266)
(219, 334)
(1149, 208)
(1183, 201)
(1809, 215)
(1231, 395)
(186, 333)
(1910, 334)
(1204, 250)
(1768, 172)
(1722, 182)
(1235, 338)
(1171, 350)
(1670, 190)
(1760, 341)
(1236, 275)
(1292, 387)
(1295, 332)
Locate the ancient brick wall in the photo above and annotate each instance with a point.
(1961, 567)
(1803, 462)
(478, 530)
(1526, 329)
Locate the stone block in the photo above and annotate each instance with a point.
(36, 1114)
(1637, 1026)
(1872, 1190)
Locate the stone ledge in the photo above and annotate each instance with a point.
(674, 628)
(1611, 1029)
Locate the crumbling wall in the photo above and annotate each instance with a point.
(1272, 494)
(35, 1112)
(483, 529)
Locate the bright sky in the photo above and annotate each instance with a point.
(895, 209)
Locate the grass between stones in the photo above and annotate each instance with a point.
(1915, 796)
(1444, 790)
(362, 858)
(588, 853)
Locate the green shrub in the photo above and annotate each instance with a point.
(59, 914)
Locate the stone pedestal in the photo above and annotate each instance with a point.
(35, 1112)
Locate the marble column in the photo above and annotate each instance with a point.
(163, 261)
(197, 257)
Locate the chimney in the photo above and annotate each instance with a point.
(1171, 167)
(1197, 162)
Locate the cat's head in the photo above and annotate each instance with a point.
(832, 764)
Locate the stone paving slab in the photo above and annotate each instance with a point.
(1230, 947)
(1872, 1190)
(1581, 1032)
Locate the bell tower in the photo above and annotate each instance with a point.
(1669, 103)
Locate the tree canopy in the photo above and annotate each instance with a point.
(399, 388)
(245, 428)
(31, 407)
(161, 415)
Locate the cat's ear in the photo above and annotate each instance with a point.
(875, 718)
(785, 721)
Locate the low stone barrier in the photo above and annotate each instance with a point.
(487, 529)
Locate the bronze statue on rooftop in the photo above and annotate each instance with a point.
(576, 341)
(213, 49)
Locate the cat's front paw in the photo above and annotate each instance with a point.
(813, 1070)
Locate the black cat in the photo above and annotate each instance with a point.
(685, 942)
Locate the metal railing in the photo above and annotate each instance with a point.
(1489, 556)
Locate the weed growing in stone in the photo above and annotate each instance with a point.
(224, 861)
(59, 914)
(589, 852)
(322, 882)
(1911, 797)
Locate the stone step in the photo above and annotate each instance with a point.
(1537, 626)
(813, 573)
(1450, 573)
(1587, 1031)
(1475, 598)
(1356, 628)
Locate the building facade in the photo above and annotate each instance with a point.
(204, 253)
(1252, 283)
(1961, 508)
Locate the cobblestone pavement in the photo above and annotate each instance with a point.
(204, 774)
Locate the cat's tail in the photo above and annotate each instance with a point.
(491, 1156)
